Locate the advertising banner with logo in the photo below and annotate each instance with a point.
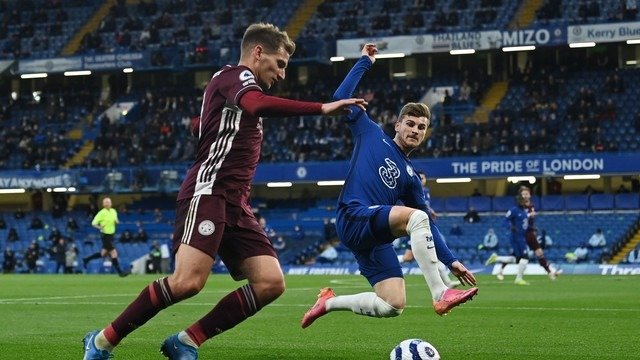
(444, 42)
(485, 167)
(49, 65)
(604, 32)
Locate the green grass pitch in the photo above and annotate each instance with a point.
(575, 317)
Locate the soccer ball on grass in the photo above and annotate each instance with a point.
(414, 349)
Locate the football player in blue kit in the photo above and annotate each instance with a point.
(369, 218)
(517, 222)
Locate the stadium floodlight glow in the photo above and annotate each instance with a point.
(582, 44)
(12, 191)
(390, 56)
(77, 73)
(336, 58)
(453, 180)
(399, 75)
(631, 62)
(127, 70)
(34, 76)
(280, 184)
(517, 179)
(462, 51)
(582, 177)
(633, 41)
(71, 189)
(331, 183)
(518, 48)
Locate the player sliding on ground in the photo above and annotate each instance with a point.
(368, 219)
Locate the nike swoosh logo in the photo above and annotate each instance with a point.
(385, 141)
(430, 247)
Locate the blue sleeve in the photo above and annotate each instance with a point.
(350, 82)
(442, 250)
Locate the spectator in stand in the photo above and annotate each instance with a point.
(490, 241)
(634, 256)
(580, 254)
(271, 233)
(36, 223)
(72, 225)
(3, 224)
(597, 240)
(31, 256)
(279, 243)
(141, 236)
(54, 235)
(70, 259)
(12, 235)
(157, 216)
(622, 190)
(330, 229)
(298, 233)
(58, 254)
(126, 237)
(155, 259)
(9, 262)
(456, 230)
(472, 216)
(18, 214)
(329, 254)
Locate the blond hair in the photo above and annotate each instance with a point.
(267, 35)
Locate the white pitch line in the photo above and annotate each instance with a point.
(492, 308)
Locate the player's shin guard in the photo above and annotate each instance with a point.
(424, 251)
(368, 304)
(230, 311)
(522, 266)
(151, 301)
(544, 263)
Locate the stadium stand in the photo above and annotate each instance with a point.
(556, 102)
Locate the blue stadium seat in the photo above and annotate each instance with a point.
(437, 204)
(457, 204)
(552, 203)
(503, 203)
(480, 203)
(627, 201)
(601, 201)
(576, 202)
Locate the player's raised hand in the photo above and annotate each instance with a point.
(460, 271)
(370, 50)
(341, 107)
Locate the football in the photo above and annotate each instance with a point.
(414, 349)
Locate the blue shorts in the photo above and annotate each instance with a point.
(365, 231)
(519, 245)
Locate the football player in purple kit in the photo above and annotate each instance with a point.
(213, 214)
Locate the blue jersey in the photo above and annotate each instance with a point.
(517, 221)
(380, 173)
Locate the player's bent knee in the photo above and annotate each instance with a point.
(384, 309)
(268, 291)
(418, 220)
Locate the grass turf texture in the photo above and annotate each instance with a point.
(575, 317)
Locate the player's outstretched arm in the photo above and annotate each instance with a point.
(350, 82)
(341, 107)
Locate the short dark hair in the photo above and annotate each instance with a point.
(267, 35)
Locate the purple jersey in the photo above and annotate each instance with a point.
(229, 139)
